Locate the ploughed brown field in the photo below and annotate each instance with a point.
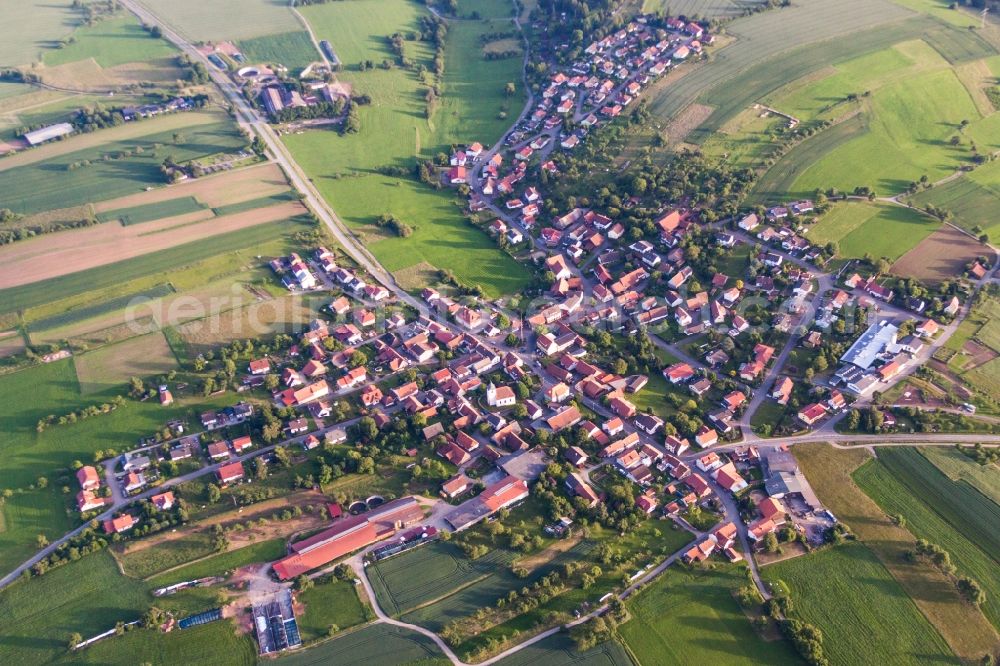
(940, 256)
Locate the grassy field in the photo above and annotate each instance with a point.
(225, 19)
(34, 188)
(242, 206)
(97, 309)
(263, 551)
(881, 230)
(88, 597)
(558, 650)
(865, 616)
(32, 27)
(334, 602)
(377, 645)
(111, 42)
(972, 199)
(152, 211)
(395, 131)
(294, 50)
(909, 128)
(959, 467)
(150, 561)
(46, 108)
(169, 264)
(25, 515)
(963, 627)
(688, 616)
(921, 519)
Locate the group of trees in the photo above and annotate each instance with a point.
(393, 223)
(969, 588)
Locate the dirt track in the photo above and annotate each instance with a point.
(52, 255)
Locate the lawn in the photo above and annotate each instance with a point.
(395, 132)
(910, 124)
(225, 19)
(217, 565)
(921, 519)
(333, 602)
(690, 616)
(111, 42)
(376, 645)
(50, 183)
(879, 230)
(152, 211)
(865, 616)
(829, 471)
(147, 562)
(25, 515)
(294, 50)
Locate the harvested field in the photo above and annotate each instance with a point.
(224, 19)
(97, 333)
(686, 121)
(214, 191)
(502, 46)
(112, 365)
(77, 315)
(941, 256)
(11, 342)
(80, 249)
(417, 276)
(290, 313)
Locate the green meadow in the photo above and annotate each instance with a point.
(973, 199)
(690, 616)
(881, 230)
(395, 133)
(111, 42)
(292, 49)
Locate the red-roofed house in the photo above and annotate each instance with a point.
(163, 501)
(230, 473)
(122, 523)
(88, 478)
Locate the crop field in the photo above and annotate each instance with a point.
(32, 188)
(941, 256)
(376, 645)
(334, 602)
(957, 46)
(865, 616)
(896, 499)
(294, 50)
(217, 565)
(261, 202)
(942, 10)
(702, 8)
(145, 562)
(808, 44)
(152, 211)
(106, 368)
(98, 309)
(32, 27)
(963, 627)
(959, 467)
(690, 616)
(559, 650)
(394, 130)
(216, 191)
(78, 250)
(213, 643)
(444, 568)
(877, 229)
(973, 199)
(970, 512)
(224, 19)
(166, 264)
(111, 42)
